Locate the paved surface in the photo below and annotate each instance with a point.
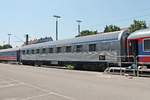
(18, 82)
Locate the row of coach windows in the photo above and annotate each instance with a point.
(79, 48)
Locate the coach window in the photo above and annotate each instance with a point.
(68, 48)
(59, 49)
(78, 48)
(50, 50)
(147, 45)
(32, 51)
(92, 47)
(44, 50)
(23, 52)
(27, 51)
(37, 51)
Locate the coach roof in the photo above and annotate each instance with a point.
(9, 50)
(140, 34)
(98, 37)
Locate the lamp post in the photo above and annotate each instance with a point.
(79, 28)
(9, 38)
(57, 17)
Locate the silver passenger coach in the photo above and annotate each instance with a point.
(94, 49)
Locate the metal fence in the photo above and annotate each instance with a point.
(133, 67)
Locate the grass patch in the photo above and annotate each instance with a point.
(70, 67)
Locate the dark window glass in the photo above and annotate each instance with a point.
(27, 51)
(78, 48)
(37, 51)
(92, 47)
(32, 51)
(147, 45)
(23, 52)
(43, 50)
(59, 49)
(50, 50)
(68, 48)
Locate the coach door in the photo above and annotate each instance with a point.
(133, 48)
(18, 55)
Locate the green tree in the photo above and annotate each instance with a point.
(6, 46)
(1, 47)
(111, 28)
(86, 32)
(137, 25)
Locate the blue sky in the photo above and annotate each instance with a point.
(34, 17)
